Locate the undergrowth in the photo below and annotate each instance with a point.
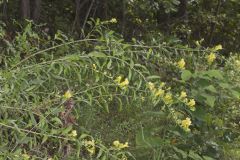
(103, 98)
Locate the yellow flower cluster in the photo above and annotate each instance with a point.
(160, 92)
(181, 64)
(168, 98)
(162, 84)
(237, 63)
(118, 79)
(73, 133)
(183, 95)
(151, 86)
(25, 156)
(122, 84)
(113, 20)
(191, 104)
(90, 146)
(185, 124)
(67, 94)
(217, 47)
(211, 58)
(119, 145)
(94, 66)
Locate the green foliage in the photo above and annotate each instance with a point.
(83, 99)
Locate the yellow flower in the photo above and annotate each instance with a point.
(162, 84)
(186, 123)
(211, 58)
(185, 100)
(218, 47)
(94, 66)
(113, 20)
(181, 64)
(168, 98)
(116, 143)
(73, 133)
(90, 146)
(119, 145)
(183, 95)
(197, 43)
(237, 63)
(151, 86)
(67, 94)
(159, 92)
(25, 156)
(124, 158)
(118, 79)
(191, 104)
(124, 84)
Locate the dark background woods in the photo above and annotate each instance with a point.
(216, 21)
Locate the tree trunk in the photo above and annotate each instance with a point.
(123, 17)
(25, 9)
(213, 25)
(36, 10)
(76, 23)
(102, 10)
(182, 11)
(5, 10)
(86, 17)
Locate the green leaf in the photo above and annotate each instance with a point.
(211, 88)
(183, 153)
(145, 138)
(153, 77)
(215, 73)
(57, 121)
(224, 85)
(109, 64)
(131, 64)
(66, 130)
(194, 156)
(186, 75)
(97, 54)
(207, 158)
(235, 93)
(209, 99)
(45, 138)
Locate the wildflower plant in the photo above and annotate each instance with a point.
(156, 99)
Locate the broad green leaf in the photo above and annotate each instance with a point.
(215, 73)
(224, 85)
(209, 99)
(235, 93)
(211, 88)
(186, 75)
(145, 138)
